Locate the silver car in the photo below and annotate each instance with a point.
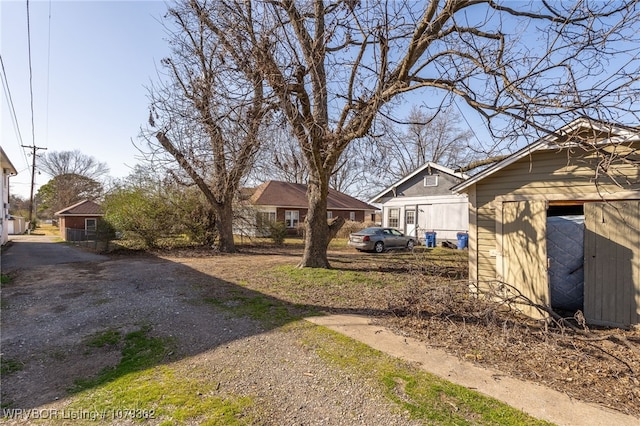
(380, 239)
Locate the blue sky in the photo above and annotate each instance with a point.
(91, 62)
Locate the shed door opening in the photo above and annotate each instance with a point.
(565, 252)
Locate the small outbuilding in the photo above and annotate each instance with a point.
(558, 222)
(16, 225)
(79, 222)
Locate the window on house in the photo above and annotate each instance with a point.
(352, 216)
(90, 224)
(291, 218)
(431, 180)
(329, 215)
(394, 218)
(264, 219)
(410, 217)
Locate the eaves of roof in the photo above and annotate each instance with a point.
(82, 208)
(553, 142)
(419, 170)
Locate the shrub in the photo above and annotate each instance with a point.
(301, 229)
(106, 231)
(351, 226)
(278, 231)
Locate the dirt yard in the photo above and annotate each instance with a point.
(429, 300)
(48, 314)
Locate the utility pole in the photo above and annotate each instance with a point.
(33, 180)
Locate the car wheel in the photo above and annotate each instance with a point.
(378, 247)
(410, 245)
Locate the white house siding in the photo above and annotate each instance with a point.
(245, 223)
(4, 210)
(446, 215)
(7, 170)
(16, 225)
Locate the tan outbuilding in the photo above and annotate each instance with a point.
(585, 176)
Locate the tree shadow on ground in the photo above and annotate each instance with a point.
(51, 312)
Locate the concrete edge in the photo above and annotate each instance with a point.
(533, 399)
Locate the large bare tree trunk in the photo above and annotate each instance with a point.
(224, 224)
(209, 109)
(316, 227)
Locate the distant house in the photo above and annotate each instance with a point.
(79, 222)
(8, 170)
(276, 201)
(424, 202)
(561, 226)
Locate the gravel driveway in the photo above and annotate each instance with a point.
(51, 308)
(59, 296)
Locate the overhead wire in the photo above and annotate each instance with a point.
(33, 125)
(46, 132)
(12, 109)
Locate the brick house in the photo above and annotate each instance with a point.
(79, 222)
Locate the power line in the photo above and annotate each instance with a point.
(46, 132)
(33, 125)
(12, 109)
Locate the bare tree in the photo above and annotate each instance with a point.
(280, 158)
(525, 67)
(209, 111)
(74, 177)
(57, 163)
(403, 146)
(65, 190)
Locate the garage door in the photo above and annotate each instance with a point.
(524, 250)
(612, 263)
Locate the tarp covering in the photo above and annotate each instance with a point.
(565, 249)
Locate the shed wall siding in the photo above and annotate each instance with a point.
(524, 253)
(612, 264)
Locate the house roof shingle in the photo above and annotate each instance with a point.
(83, 208)
(285, 194)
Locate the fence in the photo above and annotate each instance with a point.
(84, 238)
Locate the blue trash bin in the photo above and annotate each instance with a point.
(463, 240)
(430, 239)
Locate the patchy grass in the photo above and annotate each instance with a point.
(5, 280)
(423, 395)
(292, 276)
(105, 338)
(166, 395)
(268, 311)
(8, 366)
(45, 229)
(140, 351)
(141, 389)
